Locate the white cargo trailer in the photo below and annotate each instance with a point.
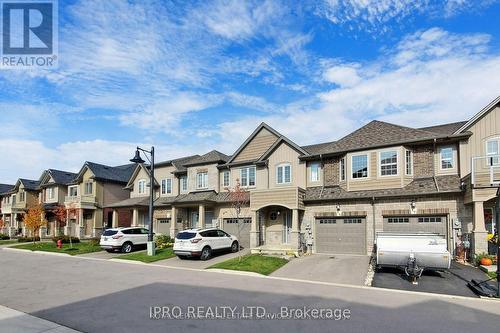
(412, 252)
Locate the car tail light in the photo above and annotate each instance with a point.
(195, 240)
(117, 236)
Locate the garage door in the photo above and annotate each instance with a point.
(231, 226)
(341, 235)
(410, 224)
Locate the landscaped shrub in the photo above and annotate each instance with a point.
(65, 239)
(481, 256)
(28, 239)
(94, 241)
(4, 237)
(163, 241)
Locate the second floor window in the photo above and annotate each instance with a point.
(166, 186)
(315, 170)
(141, 186)
(247, 176)
(184, 183)
(447, 158)
(88, 188)
(359, 166)
(22, 196)
(408, 162)
(50, 193)
(284, 174)
(225, 178)
(492, 149)
(342, 169)
(202, 180)
(388, 163)
(73, 191)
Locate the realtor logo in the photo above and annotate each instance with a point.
(29, 33)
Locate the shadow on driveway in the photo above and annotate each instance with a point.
(199, 264)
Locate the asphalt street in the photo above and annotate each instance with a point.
(92, 295)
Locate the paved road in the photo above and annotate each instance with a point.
(101, 296)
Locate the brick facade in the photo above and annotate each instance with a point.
(423, 161)
(331, 171)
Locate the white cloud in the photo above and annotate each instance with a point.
(343, 75)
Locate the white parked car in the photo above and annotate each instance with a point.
(124, 239)
(203, 242)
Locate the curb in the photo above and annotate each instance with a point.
(38, 252)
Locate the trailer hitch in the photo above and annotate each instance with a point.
(412, 270)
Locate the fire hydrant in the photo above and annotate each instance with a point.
(59, 244)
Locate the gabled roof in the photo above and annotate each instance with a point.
(478, 115)
(29, 184)
(130, 182)
(117, 174)
(444, 129)
(213, 156)
(373, 135)
(5, 188)
(59, 177)
(250, 138)
(276, 144)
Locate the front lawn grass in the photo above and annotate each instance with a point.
(253, 263)
(492, 275)
(78, 248)
(8, 241)
(143, 255)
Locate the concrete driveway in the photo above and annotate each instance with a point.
(345, 269)
(199, 264)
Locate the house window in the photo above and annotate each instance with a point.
(360, 166)
(342, 169)
(408, 163)
(389, 163)
(398, 220)
(88, 188)
(447, 158)
(492, 149)
(284, 174)
(141, 184)
(184, 183)
(225, 178)
(73, 191)
(22, 196)
(430, 219)
(315, 170)
(166, 186)
(247, 176)
(50, 193)
(202, 180)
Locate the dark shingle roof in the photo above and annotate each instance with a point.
(420, 186)
(5, 188)
(131, 202)
(374, 134)
(62, 177)
(119, 174)
(192, 197)
(30, 185)
(444, 129)
(213, 156)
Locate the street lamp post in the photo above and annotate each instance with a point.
(137, 159)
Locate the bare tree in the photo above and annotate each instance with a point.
(239, 199)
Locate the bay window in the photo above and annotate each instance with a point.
(247, 176)
(389, 163)
(315, 170)
(359, 166)
(447, 161)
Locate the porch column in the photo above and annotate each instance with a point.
(42, 232)
(295, 232)
(81, 226)
(254, 230)
(114, 221)
(201, 216)
(479, 234)
(173, 222)
(135, 217)
(12, 228)
(67, 227)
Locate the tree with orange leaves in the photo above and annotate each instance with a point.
(34, 220)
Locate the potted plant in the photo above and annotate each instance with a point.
(484, 259)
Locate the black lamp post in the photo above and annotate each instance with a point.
(137, 159)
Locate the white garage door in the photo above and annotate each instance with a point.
(341, 235)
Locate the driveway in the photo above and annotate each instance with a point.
(199, 264)
(452, 282)
(345, 269)
(100, 255)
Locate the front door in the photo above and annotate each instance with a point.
(287, 227)
(194, 219)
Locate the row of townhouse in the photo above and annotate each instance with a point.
(335, 196)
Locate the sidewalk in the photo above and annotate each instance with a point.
(16, 321)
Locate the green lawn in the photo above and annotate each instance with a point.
(78, 248)
(143, 256)
(253, 263)
(492, 275)
(8, 241)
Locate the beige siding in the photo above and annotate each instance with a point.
(290, 197)
(213, 177)
(487, 127)
(165, 173)
(437, 161)
(286, 154)
(257, 146)
(113, 193)
(141, 175)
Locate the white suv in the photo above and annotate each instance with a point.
(203, 242)
(123, 239)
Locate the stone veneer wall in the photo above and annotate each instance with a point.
(331, 171)
(423, 161)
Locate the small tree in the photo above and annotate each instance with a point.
(239, 199)
(34, 220)
(2, 224)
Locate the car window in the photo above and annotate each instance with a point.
(185, 235)
(221, 233)
(144, 231)
(128, 231)
(109, 232)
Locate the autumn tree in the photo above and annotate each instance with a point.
(34, 220)
(60, 214)
(239, 199)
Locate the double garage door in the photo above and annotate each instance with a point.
(231, 226)
(341, 235)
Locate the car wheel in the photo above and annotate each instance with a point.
(127, 247)
(205, 253)
(235, 247)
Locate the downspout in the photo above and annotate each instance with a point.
(373, 220)
(434, 164)
(322, 167)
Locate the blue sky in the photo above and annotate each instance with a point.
(189, 77)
